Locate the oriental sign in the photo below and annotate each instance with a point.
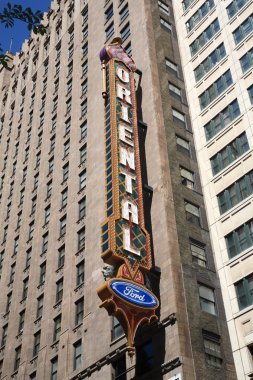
(125, 242)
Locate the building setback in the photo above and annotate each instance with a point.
(216, 42)
(53, 205)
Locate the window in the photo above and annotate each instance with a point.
(44, 242)
(79, 311)
(84, 87)
(52, 143)
(54, 123)
(25, 287)
(63, 225)
(1, 259)
(28, 257)
(240, 239)
(31, 230)
(33, 376)
(19, 219)
(145, 358)
(85, 49)
(16, 243)
(83, 130)
(59, 290)
(219, 86)
(211, 61)
(204, 37)
(81, 238)
(55, 103)
(124, 13)
(5, 234)
(66, 148)
(35, 181)
(172, 66)
(71, 51)
(12, 272)
(230, 153)
(8, 302)
(70, 69)
(40, 302)
(47, 214)
(117, 329)
(61, 256)
(199, 15)
(57, 328)
(175, 91)
(212, 349)
(82, 208)
(250, 91)
(64, 198)
(243, 30)
(109, 31)
(38, 156)
(207, 300)
(22, 195)
(179, 118)
(80, 273)
(85, 32)
(235, 193)
(119, 369)
(163, 7)
(21, 321)
(222, 119)
(166, 24)
(198, 254)
(65, 171)
(187, 178)
(192, 213)
(50, 165)
(83, 154)
(183, 145)
(49, 188)
(128, 49)
(247, 61)
(4, 335)
(67, 126)
(85, 68)
(42, 273)
(84, 108)
(186, 4)
(125, 32)
(109, 13)
(68, 106)
(244, 292)
(235, 6)
(36, 343)
(82, 180)
(17, 357)
(77, 355)
(54, 368)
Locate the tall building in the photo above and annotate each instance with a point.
(216, 42)
(53, 157)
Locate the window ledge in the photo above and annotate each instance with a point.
(244, 311)
(81, 219)
(79, 287)
(23, 300)
(40, 286)
(45, 225)
(77, 327)
(6, 315)
(62, 237)
(78, 253)
(246, 39)
(57, 304)
(34, 359)
(59, 269)
(37, 320)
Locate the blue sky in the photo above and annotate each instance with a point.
(19, 32)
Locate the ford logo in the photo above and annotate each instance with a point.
(134, 294)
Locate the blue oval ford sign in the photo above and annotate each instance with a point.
(134, 294)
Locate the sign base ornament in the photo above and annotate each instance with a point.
(125, 243)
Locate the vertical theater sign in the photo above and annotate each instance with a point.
(125, 242)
